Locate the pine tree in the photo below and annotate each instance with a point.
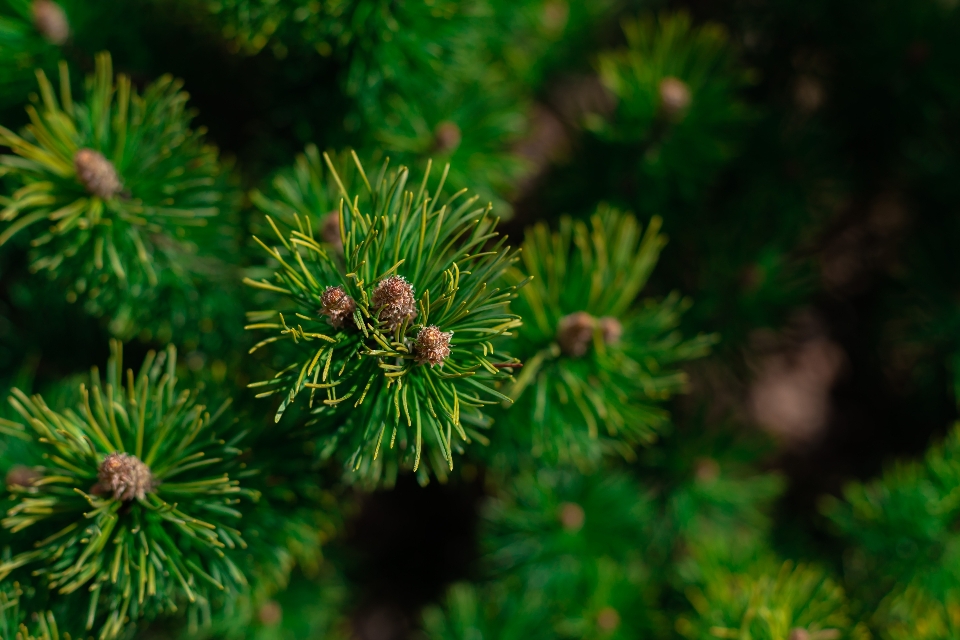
(440, 374)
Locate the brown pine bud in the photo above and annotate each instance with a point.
(337, 306)
(706, 470)
(270, 613)
(446, 137)
(574, 333)
(432, 346)
(611, 329)
(330, 230)
(674, 98)
(394, 302)
(556, 13)
(22, 476)
(124, 476)
(96, 173)
(50, 21)
(608, 619)
(572, 516)
(799, 634)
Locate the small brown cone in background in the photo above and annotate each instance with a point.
(556, 14)
(124, 476)
(337, 305)
(446, 137)
(674, 98)
(394, 302)
(799, 634)
(608, 619)
(572, 516)
(706, 470)
(50, 21)
(22, 476)
(575, 332)
(808, 93)
(270, 613)
(330, 230)
(432, 346)
(96, 173)
(611, 329)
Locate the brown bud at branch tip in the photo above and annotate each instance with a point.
(125, 476)
(394, 302)
(574, 333)
(432, 346)
(96, 173)
(337, 306)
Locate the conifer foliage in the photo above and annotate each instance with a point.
(412, 357)
(133, 493)
(111, 188)
(395, 331)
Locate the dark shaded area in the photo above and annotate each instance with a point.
(404, 547)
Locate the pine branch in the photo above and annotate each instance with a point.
(132, 506)
(117, 194)
(391, 336)
(594, 370)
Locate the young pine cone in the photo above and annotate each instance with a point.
(674, 98)
(50, 21)
(124, 476)
(575, 333)
(432, 346)
(337, 306)
(96, 173)
(611, 329)
(394, 302)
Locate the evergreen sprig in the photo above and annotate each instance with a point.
(770, 603)
(539, 517)
(679, 113)
(129, 508)
(32, 33)
(394, 339)
(116, 191)
(17, 624)
(902, 526)
(595, 367)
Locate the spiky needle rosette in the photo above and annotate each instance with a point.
(31, 34)
(116, 191)
(416, 361)
(595, 368)
(17, 624)
(134, 514)
(799, 602)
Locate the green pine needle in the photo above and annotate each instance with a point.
(377, 402)
(113, 245)
(605, 399)
(128, 558)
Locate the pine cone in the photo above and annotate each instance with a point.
(394, 302)
(337, 306)
(674, 97)
(96, 173)
(22, 476)
(575, 332)
(124, 476)
(330, 230)
(608, 619)
(572, 516)
(611, 329)
(50, 21)
(432, 346)
(446, 137)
